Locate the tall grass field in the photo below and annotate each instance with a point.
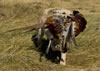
(19, 53)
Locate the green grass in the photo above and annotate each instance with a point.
(18, 52)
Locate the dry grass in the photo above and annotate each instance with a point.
(19, 53)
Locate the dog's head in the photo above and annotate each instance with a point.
(62, 13)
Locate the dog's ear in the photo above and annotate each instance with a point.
(75, 12)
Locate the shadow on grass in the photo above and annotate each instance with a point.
(52, 55)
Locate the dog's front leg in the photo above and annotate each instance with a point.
(47, 50)
(63, 58)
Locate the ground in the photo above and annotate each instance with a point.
(19, 53)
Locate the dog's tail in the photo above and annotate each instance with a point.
(28, 28)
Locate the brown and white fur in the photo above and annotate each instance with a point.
(56, 13)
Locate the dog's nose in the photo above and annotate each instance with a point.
(68, 17)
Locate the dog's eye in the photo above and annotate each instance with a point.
(54, 12)
(63, 13)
